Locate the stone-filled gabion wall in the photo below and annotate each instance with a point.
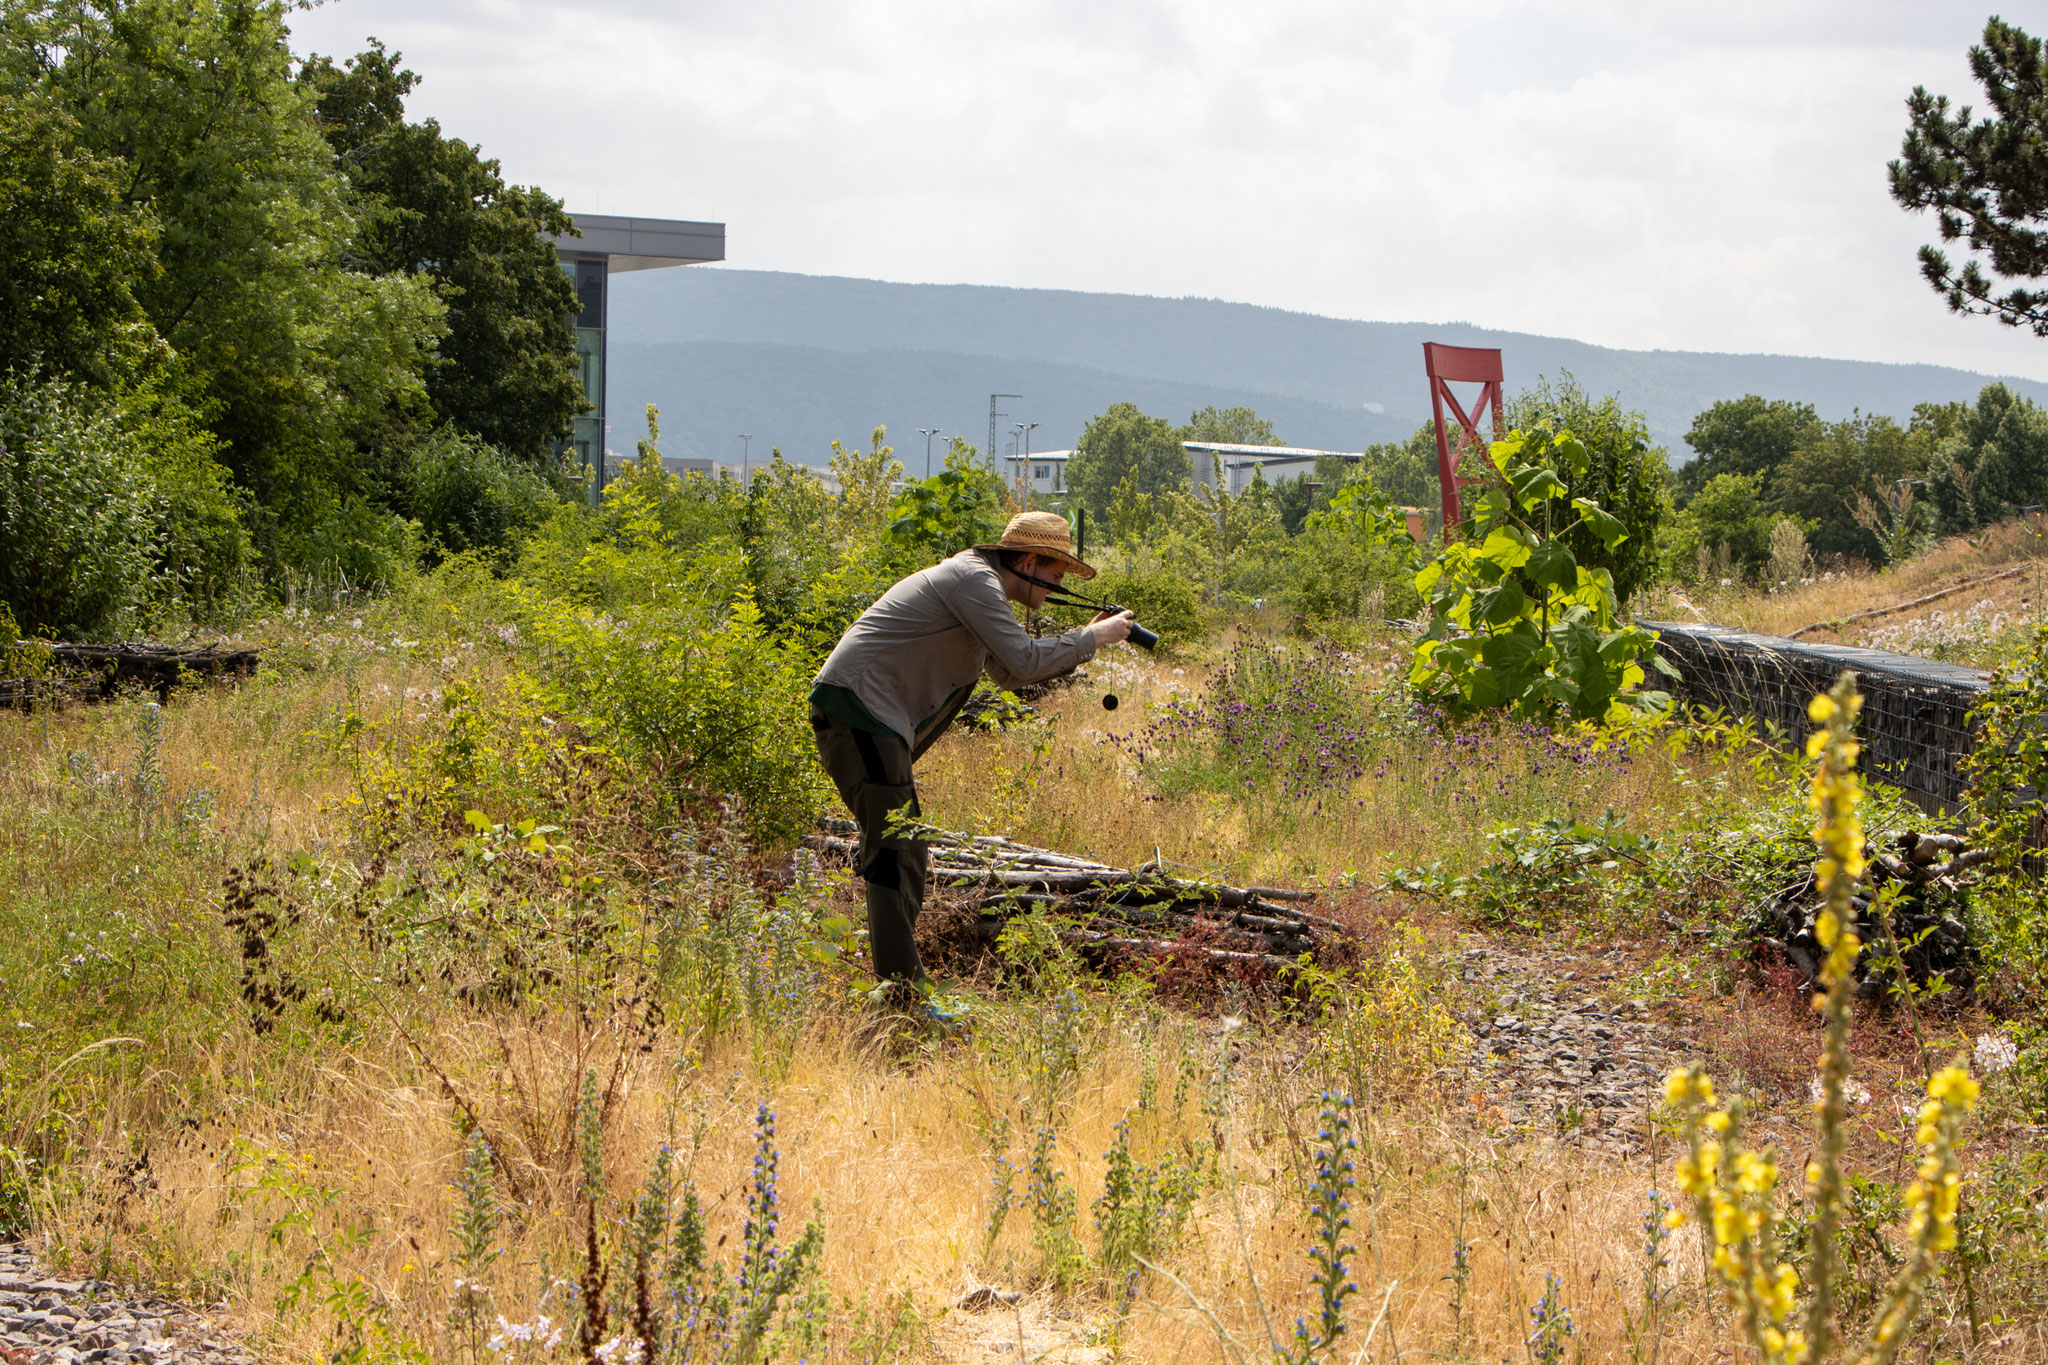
(1915, 711)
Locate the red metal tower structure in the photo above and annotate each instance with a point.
(1449, 365)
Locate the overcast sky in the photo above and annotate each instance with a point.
(1700, 175)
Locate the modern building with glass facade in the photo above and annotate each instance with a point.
(609, 245)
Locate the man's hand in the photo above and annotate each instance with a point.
(1112, 628)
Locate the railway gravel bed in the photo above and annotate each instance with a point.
(48, 1320)
(1557, 1048)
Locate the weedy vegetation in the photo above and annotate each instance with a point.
(459, 988)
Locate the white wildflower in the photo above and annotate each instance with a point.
(1995, 1052)
(1853, 1090)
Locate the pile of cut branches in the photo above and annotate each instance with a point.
(1146, 911)
(1925, 879)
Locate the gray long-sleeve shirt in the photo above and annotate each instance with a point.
(913, 657)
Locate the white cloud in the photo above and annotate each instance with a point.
(1636, 174)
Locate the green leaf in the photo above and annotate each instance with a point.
(1507, 547)
(1552, 565)
(1535, 483)
(1509, 652)
(1486, 688)
(1603, 525)
(1576, 456)
(1498, 606)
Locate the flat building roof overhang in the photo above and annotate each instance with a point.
(641, 243)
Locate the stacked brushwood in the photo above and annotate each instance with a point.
(1112, 911)
(1933, 876)
(98, 672)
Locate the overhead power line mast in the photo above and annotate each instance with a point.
(1447, 365)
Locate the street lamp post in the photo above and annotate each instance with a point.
(746, 451)
(1023, 430)
(927, 433)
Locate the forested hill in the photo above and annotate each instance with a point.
(799, 359)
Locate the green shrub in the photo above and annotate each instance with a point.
(960, 506)
(470, 498)
(205, 554)
(1162, 600)
(2008, 771)
(711, 701)
(1353, 561)
(81, 521)
(344, 543)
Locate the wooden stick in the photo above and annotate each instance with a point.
(1279, 893)
(1153, 945)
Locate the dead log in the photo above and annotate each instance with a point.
(98, 672)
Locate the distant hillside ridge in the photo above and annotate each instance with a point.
(801, 397)
(795, 359)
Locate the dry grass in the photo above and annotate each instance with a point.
(896, 1159)
(1951, 563)
(1071, 784)
(194, 1144)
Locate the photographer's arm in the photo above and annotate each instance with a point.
(1014, 658)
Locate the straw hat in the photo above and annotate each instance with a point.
(1042, 533)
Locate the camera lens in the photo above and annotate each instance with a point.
(1109, 701)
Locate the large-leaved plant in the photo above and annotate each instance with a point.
(1515, 620)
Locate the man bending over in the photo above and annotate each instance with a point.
(902, 672)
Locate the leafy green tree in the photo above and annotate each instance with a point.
(71, 251)
(805, 586)
(1623, 473)
(1729, 512)
(204, 553)
(310, 370)
(1939, 420)
(1832, 464)
(1406, 471)
(1990, 457)
(431, 205)
(960, 506)
(1230, 542)
(1986, 181)
(1295, 498)
(867, 483)
(1124, 443)
(1750, 435)
(1133, 516)
(1230, 426)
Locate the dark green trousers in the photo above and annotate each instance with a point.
(873, 775)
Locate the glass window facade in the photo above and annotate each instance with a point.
(586, 436)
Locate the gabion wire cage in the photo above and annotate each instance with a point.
(1916, 726)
